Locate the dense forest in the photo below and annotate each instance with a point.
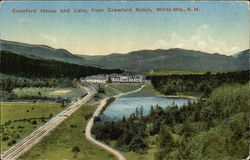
(19, 65)
(8, 83)
(215, 128)
(197, 84)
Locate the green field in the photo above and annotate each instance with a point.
(19, 120)
(147, 91)
(59, 144)
(170, 72)
(135, 156)
(114, 89)
(70, 93)
(108, 91)
(125, 87)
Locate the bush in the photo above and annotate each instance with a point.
(5, 138)
(138, 145)
(88, 116)
(12, 142)
(34, 122)
(75, 149)
(73, 126)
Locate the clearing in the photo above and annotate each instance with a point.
(65, 93)
(19, 120)
(60, 92)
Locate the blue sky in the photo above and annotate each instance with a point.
(218, 27)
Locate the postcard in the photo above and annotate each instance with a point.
(126, 80)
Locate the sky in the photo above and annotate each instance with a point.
(218, 27)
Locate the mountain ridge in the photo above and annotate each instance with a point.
(41, 51)
(141, 60)
(174, 58)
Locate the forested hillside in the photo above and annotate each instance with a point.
(214, 128)
(197, 84)
(41, 52)
(19, 65)
(172, 59)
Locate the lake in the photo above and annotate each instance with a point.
(126, 105)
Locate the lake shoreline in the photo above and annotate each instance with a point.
(124, 106)
(181, 96)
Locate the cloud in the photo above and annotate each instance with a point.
(48, 38)
(202, 40)
(235, 49)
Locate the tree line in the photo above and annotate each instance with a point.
(8, 83)
(196, 84)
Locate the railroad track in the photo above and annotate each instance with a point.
(36, 136)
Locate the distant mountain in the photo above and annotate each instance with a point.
(142, 60)
(243, 59)
(41, 52)
(242, 53)
(171, 59)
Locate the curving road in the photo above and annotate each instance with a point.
(35, 137)
(91, 122)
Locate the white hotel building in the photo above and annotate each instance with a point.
(95, 79)
(127, 79)
(115, 78)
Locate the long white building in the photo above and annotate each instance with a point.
(115, 78)
(95, 79)
(127, 79)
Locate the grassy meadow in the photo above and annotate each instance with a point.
(147, 91)
(19, 120)
(107, 91)
(125, 87)
(135, 156)
(70, 134)
(68, 92)
(114, 89)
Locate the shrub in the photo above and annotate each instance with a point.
(5, 138)
(12, 142)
